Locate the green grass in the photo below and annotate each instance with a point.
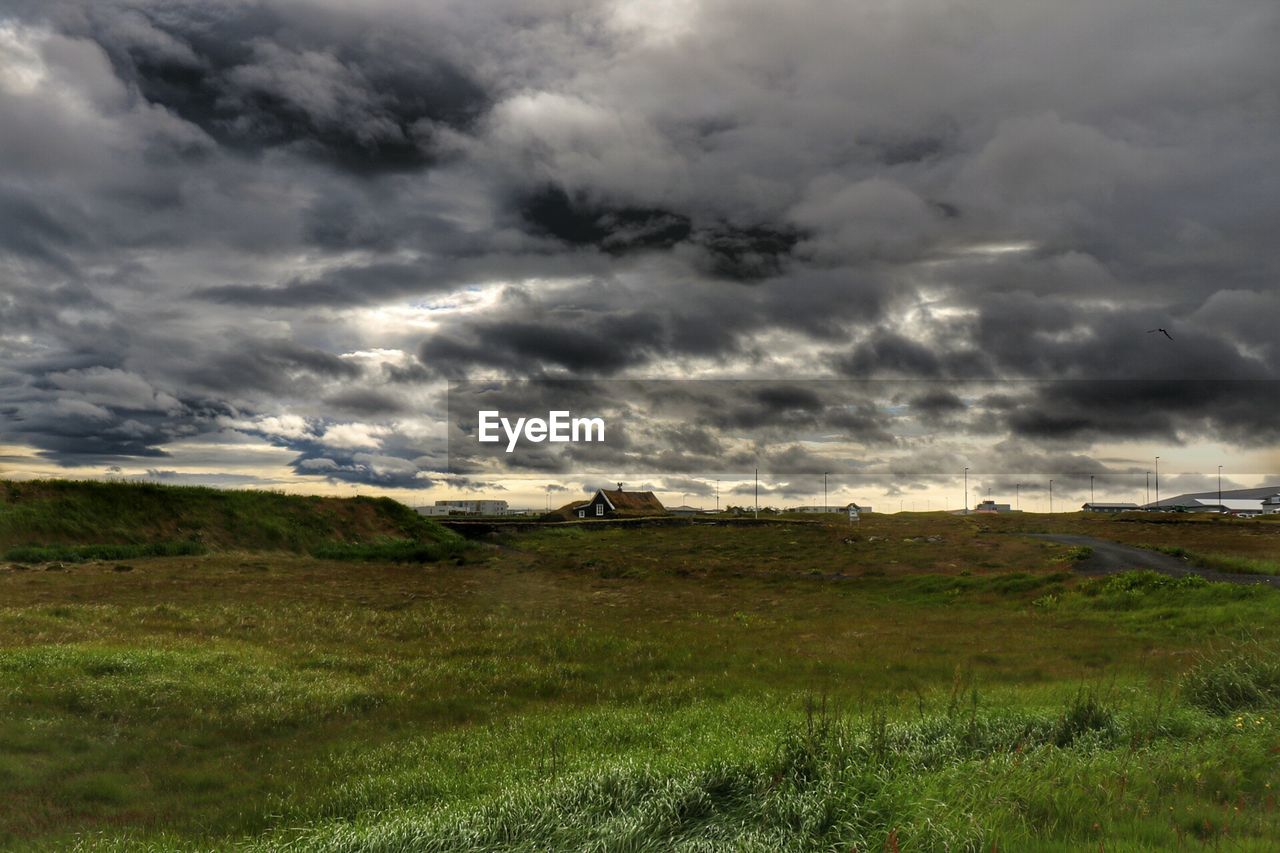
(397, 550)
(1246, 677)
(80, 553)
(971, 778)
(56, 513)
(1229, 563)
(923, 683)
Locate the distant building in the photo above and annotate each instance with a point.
(1109, 507)
(686, 510)
(856, 508)
(1271, 505)
(992, 506)
(1230, 501)
(1227, 506)
(466, 507)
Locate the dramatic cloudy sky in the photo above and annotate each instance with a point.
(247, 242)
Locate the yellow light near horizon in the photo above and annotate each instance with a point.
(997, 248)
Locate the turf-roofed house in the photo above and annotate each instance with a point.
(615, 503)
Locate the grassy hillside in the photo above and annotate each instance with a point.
(906, 683)
(51, 515)
(911, 682)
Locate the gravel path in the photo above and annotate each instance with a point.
(1109, 558)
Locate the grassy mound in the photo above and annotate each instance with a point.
(75, 520)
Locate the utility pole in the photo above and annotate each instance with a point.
(1090, 488)
(757, 493)
(825, 508)
(966, 491)
(1148, 500)
(1157, 482)
(717, 495)
(1017, 495)
(1219, 487)
(1051, 497)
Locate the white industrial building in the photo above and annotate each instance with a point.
(1241, 502)
(465, 507)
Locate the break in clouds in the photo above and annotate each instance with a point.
(248, 242)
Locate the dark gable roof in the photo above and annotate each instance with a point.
(623, 503)
(644, 502)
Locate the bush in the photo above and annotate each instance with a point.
(1084, 714)
(1148, 582)
(1246, 677)
(80, 553)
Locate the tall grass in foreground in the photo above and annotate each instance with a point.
(1248, 678)
(966, 778)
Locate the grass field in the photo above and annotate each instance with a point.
(914, 682)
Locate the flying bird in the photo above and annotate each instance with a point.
(1161, 331)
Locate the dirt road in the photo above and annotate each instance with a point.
(1108, 558)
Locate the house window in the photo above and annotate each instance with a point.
(582, 513)
(599, 509)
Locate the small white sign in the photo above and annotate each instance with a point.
(853, 513)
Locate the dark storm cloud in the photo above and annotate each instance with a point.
(366, 401)
(596, 344)
(26, 228)
(724, 251)
(270, 365)
(596, 331)
(937, 406)
(1242, 411)
(746, 254)
(315, 210)
(580, 222)
(346, 286)
(257, 76)
(88, 416)
(887, 353)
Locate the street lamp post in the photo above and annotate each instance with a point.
(1219, 487)
(717, 495)
(1051, 497)
(1090, 488)
(1148, 500)
(966, 491)
(1017, 495)
(825, 507)
(1157, 482)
